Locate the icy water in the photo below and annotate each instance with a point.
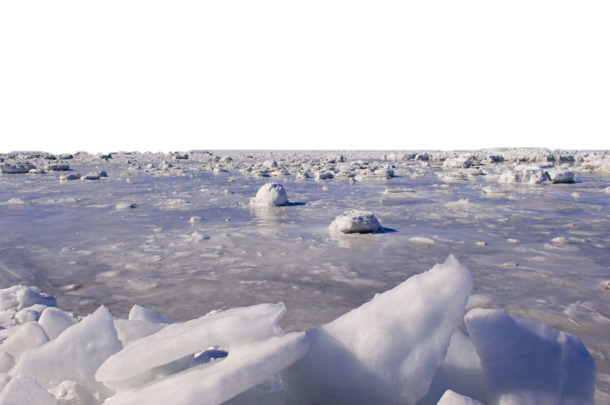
(538, 251)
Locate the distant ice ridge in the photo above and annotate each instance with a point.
(404, 346)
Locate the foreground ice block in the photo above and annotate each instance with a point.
(386, 351)
(213, 383)
(24, 389)
(19, 297)
(227, 328)
(525, 362)
(74, 355)
(256, 346)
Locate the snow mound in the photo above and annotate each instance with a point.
(355, 221)
(270, 195)
(376, 355)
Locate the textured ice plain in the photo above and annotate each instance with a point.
(68, 237)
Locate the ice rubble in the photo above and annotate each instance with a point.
(404, 346)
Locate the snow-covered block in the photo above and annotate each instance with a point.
(453, 398)
(247, 366)
(355, 221)
(525, 362)
(139, 313)
(270, 195)
(28, 335)
(19, 297)
(74, 355)
(54, 321)
(387, 350)
(227, 329)
(560, 176)
(24, 389)
(527, 174)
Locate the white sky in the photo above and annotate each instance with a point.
(152, 75)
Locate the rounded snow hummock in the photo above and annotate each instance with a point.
(355, 221)
(270, 194)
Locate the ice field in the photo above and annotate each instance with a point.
(524, 235)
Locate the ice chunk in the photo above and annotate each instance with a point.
(24, 389)
(453, 398)
(29, 335)
(246, 366)
(4, 379)
(30, 314)
(527, 174)
(131, 330)
(270, 194)
(73, 393)
(75, 354)
(324, 175)
(227, 328)
(460, 371)
(355, 221)
(144, 314)
(16, 168)
(54, 321)
(525, 362)
(560, 176)
(19, 297)
(68, 177)
(7, 361)
(124, 206)
(386, 351)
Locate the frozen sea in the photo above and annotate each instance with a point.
(178, 235)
